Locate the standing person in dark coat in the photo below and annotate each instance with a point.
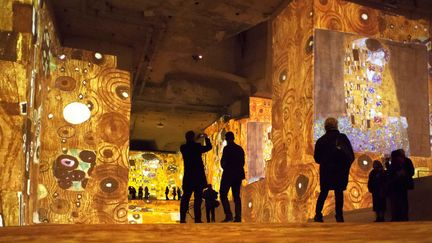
(179, 195)
(166, 193)
(174, 193)
(211, 203)
(377, 186)
(232, 162)
(334, 154)
(194, 179)
(400, 173)
(146, 193)
(140, 192)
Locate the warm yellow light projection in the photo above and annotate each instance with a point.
(76, 113)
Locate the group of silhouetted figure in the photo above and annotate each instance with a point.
(141, 195)
(176, 192)
(334, 154)
(195, 181)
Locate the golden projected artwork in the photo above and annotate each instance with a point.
(252, 134)
(15, 47)
(291, 185)
(216, 133)
(155, 171)
(85, 140)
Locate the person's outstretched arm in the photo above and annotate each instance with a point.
(207, 147)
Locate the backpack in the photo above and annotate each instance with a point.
(341, 153)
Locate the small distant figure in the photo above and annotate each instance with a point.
(377, 186)
(174, 193)
(179, 193)
(194, 178)
(167, 190)
(400, 173)
(211, 203)
(146, 193)
(232, 163)
(132, 192)
(334, 154)
(140, 193)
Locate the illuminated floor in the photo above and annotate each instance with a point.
(418, 231)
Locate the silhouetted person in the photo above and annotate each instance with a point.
(140, 192)
(146, 193)
(377, 186)
(232, 163)
(174, 193)
(334, 154)
(194, 179)
(130, 188)
(400, 175)
(167, 193)
(211, 203)
(132, 192)
(179, 195)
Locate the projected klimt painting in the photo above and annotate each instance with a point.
(375, 88)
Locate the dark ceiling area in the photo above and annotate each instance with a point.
(189, 60)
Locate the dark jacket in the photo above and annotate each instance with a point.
(334, 168)
(210, 197)
(400, 176)
(232, 162)
(194, 175)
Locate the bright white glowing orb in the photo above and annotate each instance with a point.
(250, 204)
(364, 16)
(365, 162)
(76, 113)
(98, 55)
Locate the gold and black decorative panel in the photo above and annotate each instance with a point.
(85, 140)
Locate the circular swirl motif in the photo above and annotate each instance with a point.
(113, 89)
(364, 162)
(362, 20)
(65, 83)
(309, 45)
(66, 131)
(283, 76)
(60, 206)
(112, 183)
(92, 103)
(355, 192)
(113, 128)
(89, 138)
(121, 213)
(332, 20)
(109, 185)
(301, 185)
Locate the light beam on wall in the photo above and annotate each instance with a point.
(76, 113)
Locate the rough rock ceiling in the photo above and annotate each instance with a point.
(156, 40)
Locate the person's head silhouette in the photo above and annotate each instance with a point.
(209, 186)
(377, 165)
(190, 136)
(331, 124)
(229, 137)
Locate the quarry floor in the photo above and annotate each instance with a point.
(222, 232)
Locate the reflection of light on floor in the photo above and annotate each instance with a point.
(153, 211)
